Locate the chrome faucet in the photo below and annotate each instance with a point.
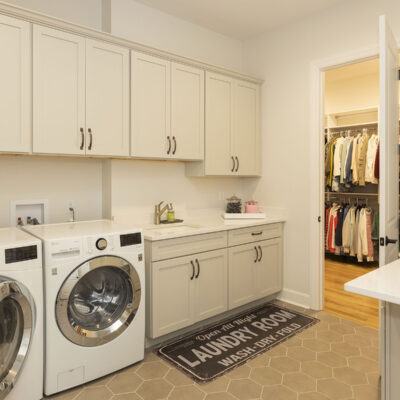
(158, 211)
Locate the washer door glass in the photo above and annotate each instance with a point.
(15, 332)
(98, 301)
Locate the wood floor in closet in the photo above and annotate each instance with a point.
(360, 309)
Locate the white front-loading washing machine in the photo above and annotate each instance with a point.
(21, 316)
(94, 300)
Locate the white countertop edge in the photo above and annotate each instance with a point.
(215, 224)
(382, 284)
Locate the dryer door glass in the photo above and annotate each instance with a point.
(98, 301)
(15, 333)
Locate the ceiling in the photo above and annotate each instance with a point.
(240, 19)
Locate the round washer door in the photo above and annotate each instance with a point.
(16, 328)
(98, 301)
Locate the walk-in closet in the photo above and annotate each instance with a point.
(351, 155)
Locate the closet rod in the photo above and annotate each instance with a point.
(350, 194)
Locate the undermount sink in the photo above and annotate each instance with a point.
(170, 230)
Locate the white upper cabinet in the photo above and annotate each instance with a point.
(150, 106)
(107, 99)
(58, 92)
(15, 84)
(187, 112)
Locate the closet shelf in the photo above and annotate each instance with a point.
(349, 126)
(351, 194)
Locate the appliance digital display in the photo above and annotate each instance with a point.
(18, 254)
(131, 239)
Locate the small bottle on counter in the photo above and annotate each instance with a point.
(28, 220)
(171, 216)
(20, 222)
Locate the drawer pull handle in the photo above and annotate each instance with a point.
(257, 255)
(256, 233)
(191, 278)
(198, 268)
(174, 150)
(82, 139)
(169, 144)
(233, 165)
(237, 166)
(261, 254)
(90, 139)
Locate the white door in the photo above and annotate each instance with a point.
(107, 99)
(268, 269)
(187, 112)
(15, 84)
(172, 295)
(211, 283)
(389, 200)
(58, 92)
(242, 261)
(246, 128)
(219, 120)
(150, 106)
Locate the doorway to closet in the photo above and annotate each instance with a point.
(351, 201)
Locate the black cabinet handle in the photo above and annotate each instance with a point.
(257, 255)
(261, 255)
(191, 278)
(169, 144)
(82, 139)
(256, 233)
(174, 151)
(198, 268)
(237, 167)
(90, 139)
(233, 165)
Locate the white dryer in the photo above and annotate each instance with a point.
(94, 300)
(21, 316)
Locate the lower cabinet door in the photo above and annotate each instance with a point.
(211, 283)
(242, 260)
(172, 295)
(268, 271)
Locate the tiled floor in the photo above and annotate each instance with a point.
(334, 359)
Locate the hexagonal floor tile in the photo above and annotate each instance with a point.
(67, 395)
(220, 396)
(245, 389)
(312, 396)
(316, 369)
(261, 360)
(334, 389)
(349, 375)
(266, 376)
(301, 354)
(299, 382)
(278, 392)
(345, 349)
(370, 352)
(217, 385)
(124, 383)
(240, 372)
(178, 378)
(330, 336)
(285, 364)
(316, 345)
(294, 341)
(154, 389)
(341, 329)
(332, 359)
(357, 340)
(126, 396)
(152, 370)
(276, 351)
(363, 364)
(186, 393)
(366, 392)
(374, 379)
(95, 393)
(365, 331)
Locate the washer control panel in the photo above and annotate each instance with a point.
(101, 244)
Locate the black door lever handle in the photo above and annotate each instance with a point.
(385, 241)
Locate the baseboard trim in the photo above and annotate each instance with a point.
(296, 298)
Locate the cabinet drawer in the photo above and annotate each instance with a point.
(171, 248)
(254, 234)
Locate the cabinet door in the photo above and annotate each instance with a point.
(107, 99)
(247, 130)
(268, 271)
(150, 106)
(187, 112)
(219, 124)
(211, 283)
(242, 260)
(15, 84)
(58, 91)
(172, 295)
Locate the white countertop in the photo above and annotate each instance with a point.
(198, 226)
(382, 284)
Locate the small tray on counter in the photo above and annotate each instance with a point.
(243, 215)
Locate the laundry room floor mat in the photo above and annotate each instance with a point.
(214, 351)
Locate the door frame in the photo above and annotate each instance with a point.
(316, 174)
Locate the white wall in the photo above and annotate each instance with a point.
(82, 12)
(282, 57)
(151, 27)
(59, 180)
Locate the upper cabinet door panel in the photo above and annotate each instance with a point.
(58, 91)
(219, 124)
(247, 130)
(187, 112)
(15, 84)
(150, 106)
(107, 99)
